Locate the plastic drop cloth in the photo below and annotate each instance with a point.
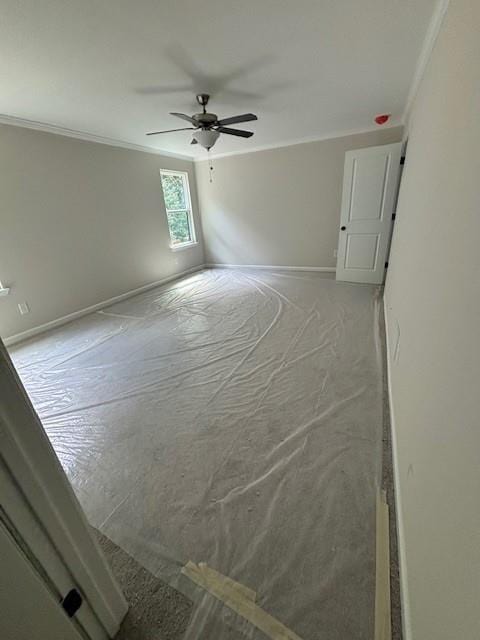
(234, 418)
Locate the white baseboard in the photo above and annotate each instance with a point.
(273, 267)
(30, 333)
(402, 560)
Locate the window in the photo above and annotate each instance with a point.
(176, 194)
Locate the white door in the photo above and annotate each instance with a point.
(370, 184)
(29, 609)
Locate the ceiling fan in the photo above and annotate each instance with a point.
(208, 127)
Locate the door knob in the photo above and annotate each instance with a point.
(343, 228)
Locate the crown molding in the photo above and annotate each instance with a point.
(425, 53)
(90, 137)
(87, 137)
(290, 143)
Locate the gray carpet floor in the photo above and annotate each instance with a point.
(156, 610)
(280, 388)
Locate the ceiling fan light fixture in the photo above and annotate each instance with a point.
(206, 137)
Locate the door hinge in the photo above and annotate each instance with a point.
(72, 602)
(394, 216)
(402, 160)
(386, 265)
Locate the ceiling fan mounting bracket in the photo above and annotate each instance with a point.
(202, 99)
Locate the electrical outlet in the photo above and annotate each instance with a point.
(335, 252)
(23, 308)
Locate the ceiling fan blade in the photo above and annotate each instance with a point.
(235, 132)
(155, 133)
(246, 117)
(183, 116)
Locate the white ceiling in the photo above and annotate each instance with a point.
(115, 68)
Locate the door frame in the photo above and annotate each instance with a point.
(403, 158)
(29, 606)
(43, 512)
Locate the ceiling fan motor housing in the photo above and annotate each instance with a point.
(205, 119)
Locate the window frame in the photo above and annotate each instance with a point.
(189, 210)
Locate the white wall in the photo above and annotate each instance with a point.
(80, 222)
(433, 304)
(281, 206)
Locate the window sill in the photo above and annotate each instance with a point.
(184, 245)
